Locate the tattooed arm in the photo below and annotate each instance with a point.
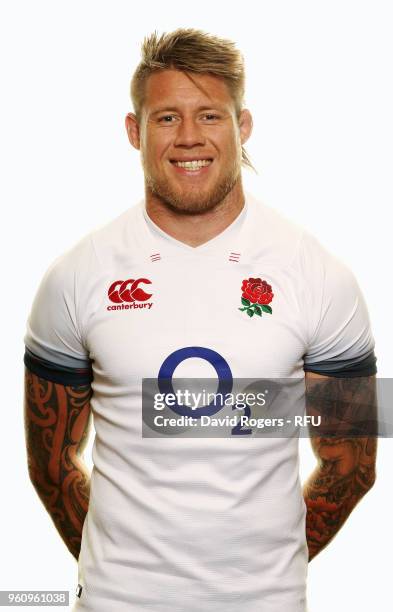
(56, 431)
(346, 464)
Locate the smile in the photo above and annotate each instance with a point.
(193, 165)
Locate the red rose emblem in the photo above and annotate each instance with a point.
(257, 290)
(256, 295)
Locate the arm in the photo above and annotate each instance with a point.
(346, 465)
(56, 431)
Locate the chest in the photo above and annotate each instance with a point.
(148, 312)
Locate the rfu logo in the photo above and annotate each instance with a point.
(129, 291)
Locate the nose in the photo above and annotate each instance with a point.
(189, 133)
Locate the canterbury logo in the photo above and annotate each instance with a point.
(128, 291)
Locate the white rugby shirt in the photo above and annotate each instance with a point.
(184, 524)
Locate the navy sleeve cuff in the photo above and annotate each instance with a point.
(366, 366)
(54, 372)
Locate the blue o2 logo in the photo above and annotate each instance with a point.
(225, 379)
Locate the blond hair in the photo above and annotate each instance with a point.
(191, 51)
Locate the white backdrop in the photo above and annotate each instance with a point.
(319, 85)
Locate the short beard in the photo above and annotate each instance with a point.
(193, 203)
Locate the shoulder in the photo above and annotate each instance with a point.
(317, 273)
(118, 232)
(322, 268)
(89, 255)
(271, 235)
(292, 241)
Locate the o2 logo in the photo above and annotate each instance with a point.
(225, 382)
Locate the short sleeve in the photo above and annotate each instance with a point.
(54, 347)
(340, 341)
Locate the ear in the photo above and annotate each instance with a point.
(132, 127)
(245, 125)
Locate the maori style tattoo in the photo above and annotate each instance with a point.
(346, 463)
(56, 426)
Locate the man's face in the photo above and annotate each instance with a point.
(190, 139)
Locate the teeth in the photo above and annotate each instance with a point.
(194, 164)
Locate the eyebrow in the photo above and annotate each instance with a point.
(174, 109)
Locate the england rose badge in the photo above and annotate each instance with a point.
(256, 296)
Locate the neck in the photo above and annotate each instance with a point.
(195, 229)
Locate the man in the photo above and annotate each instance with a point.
(205, 281)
